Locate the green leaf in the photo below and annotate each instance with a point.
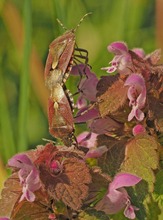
(158, 190)
(152, 209)
(92, 215)
(141, 158)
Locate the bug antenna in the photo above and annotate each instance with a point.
(60, 23)
(81, 20)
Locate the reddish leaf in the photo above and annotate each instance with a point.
(140, 65)
(10, 195)
(141, 158)
(113, 99)
(70, 184)
(40, 209)
(105, 82)
(111, 161)
(98, 187)
(154, 57)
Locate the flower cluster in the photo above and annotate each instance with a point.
(118, 149)
(28, 176)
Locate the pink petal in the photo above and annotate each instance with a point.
(113, 202)
(88, 83)
(96, 153)
(28, 195)
(139, 51)
(137, 113)
(87, 139)
(33, 180)
(123, 180)
(19, 160)
(80, 69)
(86, 114)
(109, 69)
(129, 211)
(118, 47)
(87, 87)
(136, 80)
(52, 217)
(138, 129)
(81, 102)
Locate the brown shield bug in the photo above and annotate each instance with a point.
(61, 57)
(61, 122)
(58, 65)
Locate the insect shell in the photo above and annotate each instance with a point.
(61, 57)
(61, 122)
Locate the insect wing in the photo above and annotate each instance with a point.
(61, 123)
(67, 55)
(60, 53)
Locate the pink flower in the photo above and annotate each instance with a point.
(28, 175)
(138, 129)
(121, 59)
(52, 216)
(96, 152)
(81, 102)
(139, 51)
(87, 139)
(87, 85)
(136, 95)
(85, 114)
(55, 167)
(117, 197)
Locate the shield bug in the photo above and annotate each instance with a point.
(61, 57)
(61, 122)
(58, 65)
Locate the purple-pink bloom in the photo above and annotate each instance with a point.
(52, 216)
(87, 139)
(136, 95)
(129, 211)
(117, 197)
(96, 152)
(139, 51)
(138, 129)
(121, 58)
(28, 175)
(85, 114)
(81, 102)
(87, 85)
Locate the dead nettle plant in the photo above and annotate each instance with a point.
(93, 175)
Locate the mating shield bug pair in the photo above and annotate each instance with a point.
(58, 66)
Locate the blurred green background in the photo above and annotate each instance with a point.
(27, 27)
